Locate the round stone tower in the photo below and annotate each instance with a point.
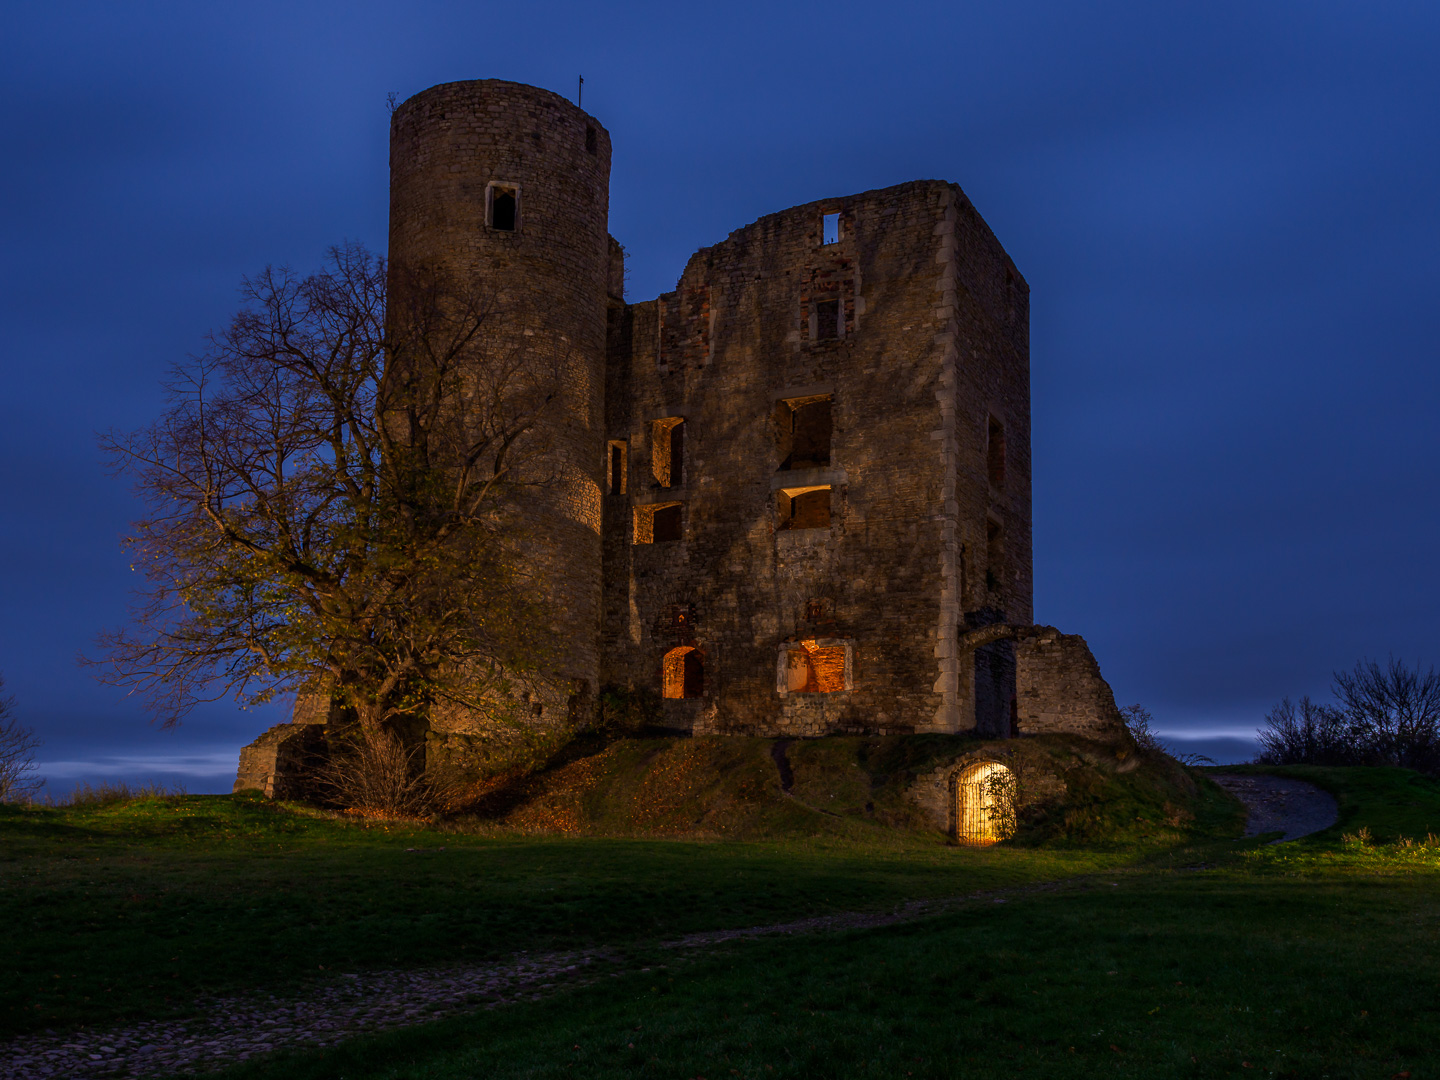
(508, 186)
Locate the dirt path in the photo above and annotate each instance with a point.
(1280, 804)
(239, 1028)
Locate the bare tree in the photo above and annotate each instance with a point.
(1137, 722)
(331, 500)
(1307, 733)
(1393, 712)
(17, 753)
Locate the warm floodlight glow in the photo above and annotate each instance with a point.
(683, 673)
(984, 804)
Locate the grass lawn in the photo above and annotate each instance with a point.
(1317, 958)
(135, 909)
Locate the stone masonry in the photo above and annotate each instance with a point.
(791, 490)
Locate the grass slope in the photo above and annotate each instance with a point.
(137, 909)
(1074, 792)
(1311, 959)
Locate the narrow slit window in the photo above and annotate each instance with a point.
(995, 453)
(683, 673)
(804, 508)
(616, 468)
(803, 429)
(503, 210)
(994, 555)
(827, 320)
(830, 229)
(667, 451)
(590, 141)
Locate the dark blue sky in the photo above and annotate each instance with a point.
(1227, 213)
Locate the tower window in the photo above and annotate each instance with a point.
(802, 432)
(683, 672)
(995, 453)
(827, 320)
(615, 467)
(830, 229)
(502, 206)
(667, 451)
(804, 508)
(590, 147)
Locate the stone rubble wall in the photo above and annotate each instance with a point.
(1059, 688)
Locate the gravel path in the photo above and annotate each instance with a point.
(239, 1028)
(1280, 804)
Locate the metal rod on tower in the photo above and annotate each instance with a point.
(580, 93)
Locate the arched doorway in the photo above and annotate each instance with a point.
(682, 672)
(984, 804)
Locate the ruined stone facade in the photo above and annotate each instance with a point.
(788, 486)
(787, 490)
(854, 484)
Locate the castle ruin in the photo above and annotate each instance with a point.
(796, 496)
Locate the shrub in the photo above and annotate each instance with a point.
(1309, 734)
(1384, 715)
(1137, 722)
(17, 754)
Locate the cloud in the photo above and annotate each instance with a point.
(220, 762)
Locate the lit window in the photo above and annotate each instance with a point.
(814, 667)
(804, 508)
(615, 467)
(683, 672)
(667, 451)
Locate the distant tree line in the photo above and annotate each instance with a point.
(1381, 715)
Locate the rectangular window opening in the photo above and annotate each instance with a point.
(502, 209)
(660, 524)
(827, 320)
(590, 141)
(994, 556)
(804, 508)
(616, 468)
(803, 429)
(995, 454)
(683, 673)
(812, 668)
(830, 229)
(667, 451)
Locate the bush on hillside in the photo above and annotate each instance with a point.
(1383, 715)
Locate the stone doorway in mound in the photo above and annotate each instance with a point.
(984, 796)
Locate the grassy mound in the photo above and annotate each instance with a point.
(1071, 792)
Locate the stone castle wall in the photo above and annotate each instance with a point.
(449, 146)
(928, 355)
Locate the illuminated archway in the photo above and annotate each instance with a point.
(984, 804)
(682, 672)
